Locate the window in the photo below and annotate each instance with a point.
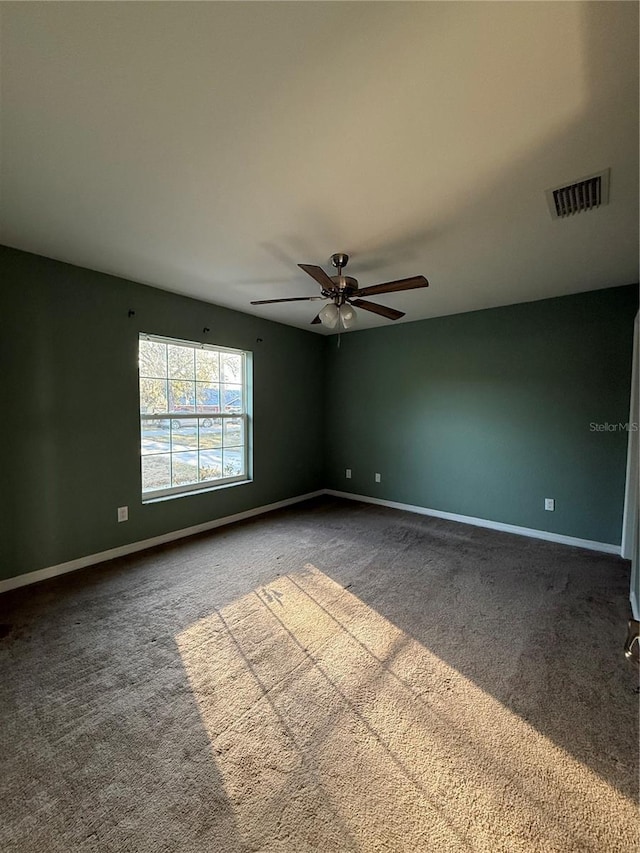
(193, 416)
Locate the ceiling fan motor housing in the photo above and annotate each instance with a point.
(345, 283)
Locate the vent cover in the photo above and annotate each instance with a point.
(584, 194)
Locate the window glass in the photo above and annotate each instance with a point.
(193, 416)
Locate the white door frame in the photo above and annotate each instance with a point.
(630, 534)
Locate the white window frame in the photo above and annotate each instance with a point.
(203, 485)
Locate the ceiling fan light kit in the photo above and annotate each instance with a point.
(344, 293)
(329, 315)
(348, 317)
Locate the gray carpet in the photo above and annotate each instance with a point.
(333, 677)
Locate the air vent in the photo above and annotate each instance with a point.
(584, 194)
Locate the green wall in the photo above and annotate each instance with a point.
(487, 413)
(70, 432)
(483, 414)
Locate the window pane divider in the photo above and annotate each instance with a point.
(183, 416)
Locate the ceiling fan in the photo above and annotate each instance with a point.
(344, 293)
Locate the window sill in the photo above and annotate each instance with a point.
(194, 492)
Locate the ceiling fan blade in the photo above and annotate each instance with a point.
(319, 274)
(394, 286)
(292, 299)
(316, 319)
(389, 313)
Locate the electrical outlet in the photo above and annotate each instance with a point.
(347, 473)
(550, 504)
(378, 478)
(123, 513)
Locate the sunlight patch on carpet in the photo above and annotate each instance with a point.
(335, 730)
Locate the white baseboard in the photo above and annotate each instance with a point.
(123, 550)
(605, 547)
(635, 605)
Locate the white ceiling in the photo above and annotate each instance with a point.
(207, 148)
